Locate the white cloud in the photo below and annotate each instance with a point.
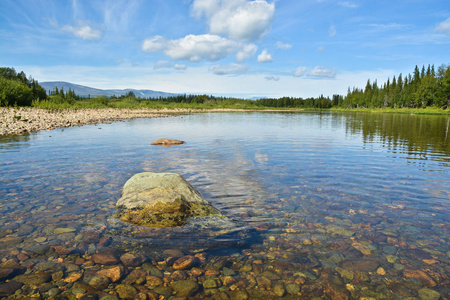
(155, 44)
(444, 27)
(163, 64)
(238, 19)
(247, 52)
(322, 72)
(265, 57)
(300, 71)
(205, 7)
(228, 69)
(283, 46)
(168, 64)
(332, 31)
(85, 32)
(180, 67)
(320, 49)
(274, 78)
(194, 47)
(348, 4)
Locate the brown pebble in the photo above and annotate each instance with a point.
(22, 257)
(421, 275)
(212, 273)
(114, 273)
(178, 275)
(228, 280)
(73, 277)
(201, 257)
(131, 260)
(154, 281)
(104, 259)
(185, 262)
(196, 272)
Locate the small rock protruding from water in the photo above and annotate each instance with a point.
(167, 142)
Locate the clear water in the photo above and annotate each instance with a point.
(337, 204)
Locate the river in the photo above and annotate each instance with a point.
(327, 205)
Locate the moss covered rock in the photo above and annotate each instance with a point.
(161, 200)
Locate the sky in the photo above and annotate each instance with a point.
(232, 48)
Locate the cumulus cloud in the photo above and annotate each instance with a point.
(194, 47)
(273, 78)
(85, 32)
(300, 71)
(322, 72)
(265, 57)
(228, 69)
(247, 52)
(238, 19)
(444, 27)
(332, 31)
(154, 44)
(283, 46)
(233, 24)
(205, 7)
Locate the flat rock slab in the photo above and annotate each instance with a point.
(161, 200)
(167, 142)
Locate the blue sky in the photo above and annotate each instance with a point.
(273, 48)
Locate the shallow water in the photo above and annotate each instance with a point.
(328, 205)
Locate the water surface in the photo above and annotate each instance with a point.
(328, 205)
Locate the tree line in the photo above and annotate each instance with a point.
(17, 89)
(423, 88)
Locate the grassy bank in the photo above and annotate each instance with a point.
(136, 103)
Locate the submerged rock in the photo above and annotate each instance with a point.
(161, 200)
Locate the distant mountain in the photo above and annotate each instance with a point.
(85, 91)
(256, 98)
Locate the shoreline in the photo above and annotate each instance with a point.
(24, 120)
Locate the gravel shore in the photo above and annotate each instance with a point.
(25, 120)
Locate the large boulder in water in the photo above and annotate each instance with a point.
(161, 200)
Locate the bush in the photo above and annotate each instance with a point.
(14, 92)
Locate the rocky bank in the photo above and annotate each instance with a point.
(26, 120)
(23, 120)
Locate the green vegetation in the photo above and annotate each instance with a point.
(130, 101)
(425, 91)
(17, 89)
(425, 88)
